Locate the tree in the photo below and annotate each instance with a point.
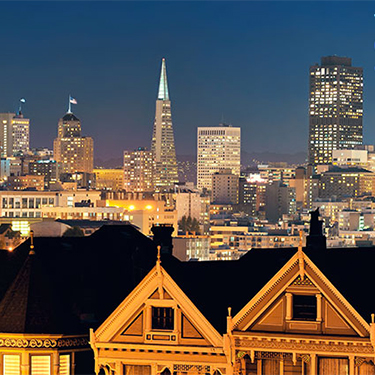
(195, 226)
(74, 232)
(182, 224)
(188, 224)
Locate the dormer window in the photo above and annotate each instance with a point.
(304, 307)
(162, 318)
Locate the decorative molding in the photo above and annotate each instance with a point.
(324, 280)
(264, 292)
(305, 282)
(305, 358)
(305, 346)
(36, 343)
(125, 304)
(200, 369)
(205, 328)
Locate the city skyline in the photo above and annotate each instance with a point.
(214, 72)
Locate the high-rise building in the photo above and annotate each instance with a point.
(49, 169)
(336, 108)
(162, 145)
(225, 187)
(20, 135)
(14, 134)
(74, 152)
(138, 170)
(346, 182)
(6, 133)
(280, 200)
(218, 148)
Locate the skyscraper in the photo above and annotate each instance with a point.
(138, 170)
(20, 135)
(336, 108)
(14, 134)
(74, 152)
(6, 120)
(218, 148)
(165, 174)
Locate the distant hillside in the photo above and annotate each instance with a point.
(247, 158)
(110, 163)
(254, 158)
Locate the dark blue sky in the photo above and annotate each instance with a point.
(247, 61)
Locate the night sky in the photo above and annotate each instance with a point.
(246, 61)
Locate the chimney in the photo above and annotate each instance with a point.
(316, 239)
(163, 237)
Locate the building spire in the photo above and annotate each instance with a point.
(163, 85)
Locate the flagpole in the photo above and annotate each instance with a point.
(70, 106)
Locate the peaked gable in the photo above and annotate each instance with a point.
(158, 299)
(300, 288)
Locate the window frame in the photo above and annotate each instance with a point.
(299, 318)
(168, 321)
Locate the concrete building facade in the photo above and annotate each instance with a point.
(218, 148)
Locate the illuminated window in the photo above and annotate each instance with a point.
(11, 365)
(40, 365)
(64, 364)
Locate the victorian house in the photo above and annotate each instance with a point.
(52, 291)
(110, 303)
(273, 312)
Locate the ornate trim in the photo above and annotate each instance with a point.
(306, 281)
(128, 301)
(276, 282)
(200, 369)
(343, 347)
(315, 272)
(37, 343)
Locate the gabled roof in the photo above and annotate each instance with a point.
(215, 286)
(4, 228)
(36, 303)
(69, 278)
(94, 274)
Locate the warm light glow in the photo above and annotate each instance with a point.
(131, 207)
(149, 207)
(21, 226)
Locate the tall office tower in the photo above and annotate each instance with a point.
(74, 152)
(20, 135)
(336, 108)
(162, 145)
(225, 187)
(6, 120)
(218, 148)
(14, 134)
(138, 170)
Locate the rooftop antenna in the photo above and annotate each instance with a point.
(22, 100)
(222, 119)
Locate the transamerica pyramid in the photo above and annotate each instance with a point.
(162, 145)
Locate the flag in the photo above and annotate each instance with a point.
(23, 100)
(73, 101)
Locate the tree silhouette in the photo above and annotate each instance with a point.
(74, 232)
(188, 224)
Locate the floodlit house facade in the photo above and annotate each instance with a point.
(275, 312)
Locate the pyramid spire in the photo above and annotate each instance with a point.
(163, 84)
